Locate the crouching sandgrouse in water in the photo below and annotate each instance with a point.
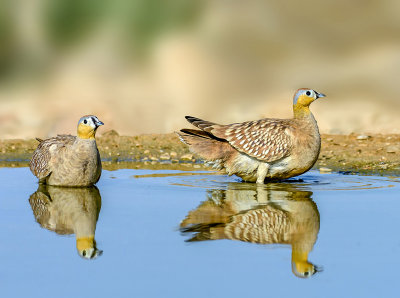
(68, 160)
(266, 149)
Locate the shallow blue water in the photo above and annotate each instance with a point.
(145, 253)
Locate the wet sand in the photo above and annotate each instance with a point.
(366, 154)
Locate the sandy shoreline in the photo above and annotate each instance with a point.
(366, 154)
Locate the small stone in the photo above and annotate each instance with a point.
(392, 149)
(153, 158)
(165, 156)
(187, 157)
(110, 133)
(363, 137)
(197, 166)
(145, 159)
(175, 160)
(173, 154)
(325, 170)
(146, 151)
(329, 139)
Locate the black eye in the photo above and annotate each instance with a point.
(84, 252)
(306, 273)
(85, 121)
(308, 93)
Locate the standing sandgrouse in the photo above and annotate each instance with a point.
(68, 160)
(266, 149)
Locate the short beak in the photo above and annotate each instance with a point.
(99, 123)
(320, 95)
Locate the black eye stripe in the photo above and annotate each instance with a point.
(93, 120)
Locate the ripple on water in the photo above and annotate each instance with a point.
(314, 179)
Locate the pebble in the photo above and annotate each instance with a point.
(173, 154)
(187, 157)
(165, 156)
(146, 151)
(153, 158)
(363, 137)
(392, 149)
(325, 170)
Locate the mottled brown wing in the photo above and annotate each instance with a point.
(264, 225)
(39, 163)
(266, 139)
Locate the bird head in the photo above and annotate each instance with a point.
(304, 97)
(87, 126)
(87, 249)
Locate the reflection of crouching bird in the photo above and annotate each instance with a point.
(69, 211)
(263, 216)
(68, 160)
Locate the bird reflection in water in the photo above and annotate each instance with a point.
(270, 214)
(69, 211)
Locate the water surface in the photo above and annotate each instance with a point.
(168, 233)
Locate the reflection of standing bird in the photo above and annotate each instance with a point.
(68, 160)
(266, 148)
(263, 216)
(69, 211)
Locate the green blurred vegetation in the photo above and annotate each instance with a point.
(68, 21)
(8, 42)
(146, 20)
(64, 24)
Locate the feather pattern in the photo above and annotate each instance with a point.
(266, 139)
(42, 156)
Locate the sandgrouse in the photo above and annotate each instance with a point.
(260, 150)
(68, 160)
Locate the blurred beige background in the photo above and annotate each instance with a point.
(141, 66)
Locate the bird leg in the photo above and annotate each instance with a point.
(262, 172)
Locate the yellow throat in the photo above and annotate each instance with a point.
(300, 261)
(84, 243)
(301, 108)
(86, 132)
